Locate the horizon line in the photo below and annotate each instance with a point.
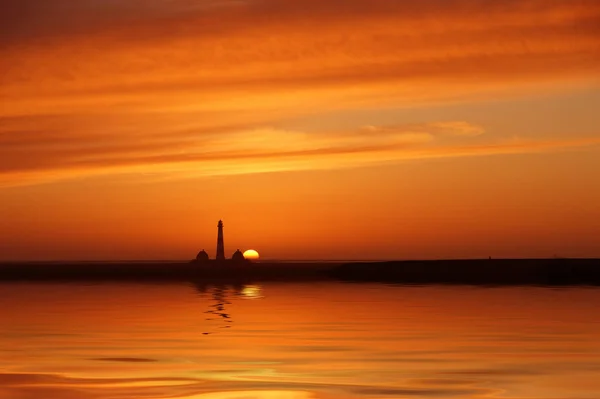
(274, 260)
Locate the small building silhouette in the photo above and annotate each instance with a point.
(202, 256)
(238, 256)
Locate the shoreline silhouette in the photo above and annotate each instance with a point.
(552, 271)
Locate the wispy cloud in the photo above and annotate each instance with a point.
(102, 53)
(185, 87)
(254, 150)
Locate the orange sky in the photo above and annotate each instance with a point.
(344, 129)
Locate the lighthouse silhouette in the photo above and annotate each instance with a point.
(220, 244)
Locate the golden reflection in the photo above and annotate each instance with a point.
(305, 340)
(252, 292)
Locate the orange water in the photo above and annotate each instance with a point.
(323, 340)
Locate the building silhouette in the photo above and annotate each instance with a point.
(220, 244)
(237, 258)
(202, 256)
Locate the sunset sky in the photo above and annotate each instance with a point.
(354, 129)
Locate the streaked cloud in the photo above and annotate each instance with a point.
(128, 53)
(250, 150)
(180, 87)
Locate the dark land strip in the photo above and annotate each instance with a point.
(547, 272)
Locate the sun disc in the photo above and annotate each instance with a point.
(251, 254)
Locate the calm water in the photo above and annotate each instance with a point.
(328, 340)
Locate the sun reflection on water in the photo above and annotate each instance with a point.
(252, 292)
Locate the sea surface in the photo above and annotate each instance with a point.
(291, 340)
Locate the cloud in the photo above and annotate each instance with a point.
(22, 151)
(59, 17)
(457, 128)
(97, 52)
(254, 150)
(180, 87)
(61, 57)
(426, 131)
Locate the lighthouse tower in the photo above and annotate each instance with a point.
(220, 245)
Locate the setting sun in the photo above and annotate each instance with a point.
(251, 254)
